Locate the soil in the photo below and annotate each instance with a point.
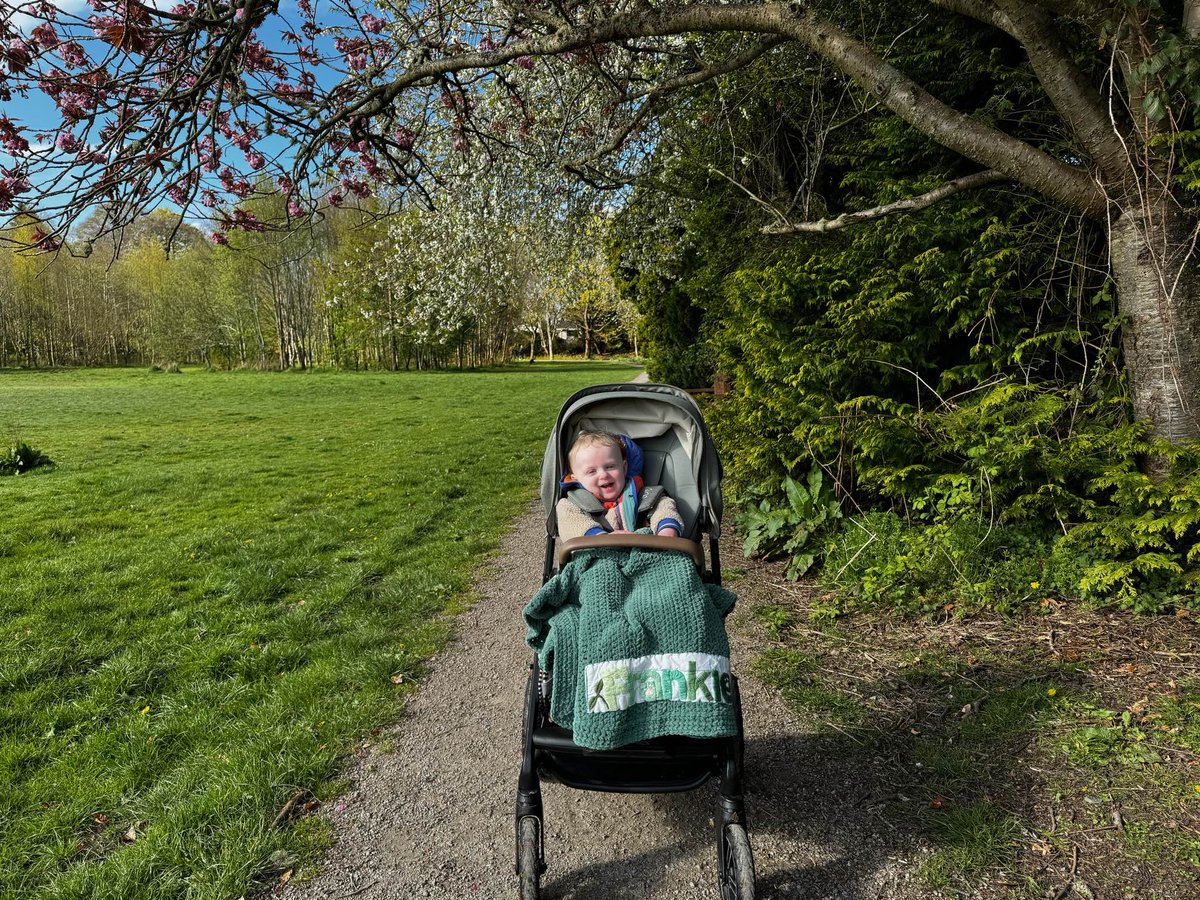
(429, 809)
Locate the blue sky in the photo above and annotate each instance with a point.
(37, 112)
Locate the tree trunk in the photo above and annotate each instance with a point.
(1158, 289)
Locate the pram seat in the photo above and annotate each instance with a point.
(678, 454)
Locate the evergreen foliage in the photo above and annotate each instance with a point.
(954, 373)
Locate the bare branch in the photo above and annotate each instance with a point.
(691, 79)
(909, 204)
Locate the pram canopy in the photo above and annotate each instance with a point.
(667, 425)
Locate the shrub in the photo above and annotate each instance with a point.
(20, 458)
(794, 525)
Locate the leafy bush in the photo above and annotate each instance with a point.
(956, 372)
(20, 458)
(794, 525)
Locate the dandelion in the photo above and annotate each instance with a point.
(1035, 585)
(1050, 692)
(145, 709)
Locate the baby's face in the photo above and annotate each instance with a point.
(600, 469)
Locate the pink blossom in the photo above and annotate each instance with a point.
(10, 137)
(370, 166)
(404, 138)
(9, 188)
(525, 62)
(234, 184)
(101, 24)
(292, 93)
(72, 54)
(371, 24)
(258, 58)
(208, 198)
(17, 56)
(346, 45)
(295, 210)
(45, 36)
(67, 142)
(335, 198)
(255, 160)
(246, 138)
(247, 221)
(219, 238)
(285, 184)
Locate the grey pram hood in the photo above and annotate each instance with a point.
(667, 425)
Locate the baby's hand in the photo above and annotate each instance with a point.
(620, 531)
(669, 532)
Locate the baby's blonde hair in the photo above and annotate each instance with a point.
(587, 439)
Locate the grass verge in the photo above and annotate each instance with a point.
(225, 581)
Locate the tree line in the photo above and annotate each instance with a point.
(465, 285)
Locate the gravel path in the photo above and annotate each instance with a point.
(433, 816)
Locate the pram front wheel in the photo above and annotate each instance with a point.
(736, 873)
(529, 859)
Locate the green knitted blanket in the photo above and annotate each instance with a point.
(636, 648)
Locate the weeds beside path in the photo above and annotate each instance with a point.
(1051, 757)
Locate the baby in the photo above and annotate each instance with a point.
(605, 494)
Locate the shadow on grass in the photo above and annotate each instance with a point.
(926, 765)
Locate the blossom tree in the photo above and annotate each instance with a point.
(186, 103)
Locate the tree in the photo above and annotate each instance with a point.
(160, 103)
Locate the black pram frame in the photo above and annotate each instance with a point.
(667, 423)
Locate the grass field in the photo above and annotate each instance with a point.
(223, 582)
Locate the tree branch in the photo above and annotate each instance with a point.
(907, 99)
(690, 79)
(1077, 101)
(1191, 19)
(908, 204)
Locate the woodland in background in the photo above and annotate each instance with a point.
(928, 410)
(468, 284)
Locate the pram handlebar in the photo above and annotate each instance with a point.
(640, 541)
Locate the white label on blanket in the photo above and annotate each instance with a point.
(682, 677)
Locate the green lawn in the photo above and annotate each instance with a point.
(225, 580)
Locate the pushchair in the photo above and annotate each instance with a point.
(678, 454)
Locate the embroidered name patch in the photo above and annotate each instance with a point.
(679, 677)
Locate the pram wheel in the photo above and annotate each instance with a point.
(736, 865)
(529, 862)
